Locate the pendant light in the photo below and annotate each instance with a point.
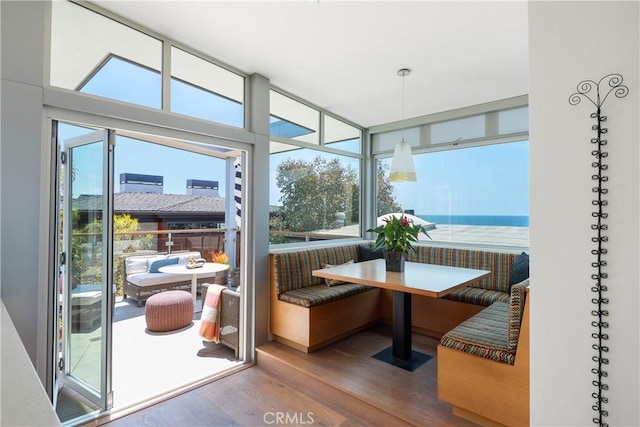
(402, 169)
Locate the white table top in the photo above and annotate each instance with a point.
(209, 267)
(418, 278)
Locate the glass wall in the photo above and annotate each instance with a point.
(204, 90)
(93, 54)
(97, 55)
(473, 178)
(314, 195)
(293, 119)
(315, 174)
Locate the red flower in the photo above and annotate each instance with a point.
(397, 234)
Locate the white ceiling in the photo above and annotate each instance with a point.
(344, 56)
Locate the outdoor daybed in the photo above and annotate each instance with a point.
(141, 278)
(306, 314)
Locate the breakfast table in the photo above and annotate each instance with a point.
(418, 278)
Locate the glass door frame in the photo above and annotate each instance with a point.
(240, 142)
(102, 397)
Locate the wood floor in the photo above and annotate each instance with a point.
(340, 385)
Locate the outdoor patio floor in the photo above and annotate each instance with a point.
(147, 365)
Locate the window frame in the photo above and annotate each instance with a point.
(165, 68)
(321, 147)
(424, 146)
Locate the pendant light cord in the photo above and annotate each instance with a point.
(402, 73)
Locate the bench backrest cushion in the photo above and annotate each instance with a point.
(292, 270)
(137, 264)
(516, 308)
(499, 263)
(183, 257)
(156, 265)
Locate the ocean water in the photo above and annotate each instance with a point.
(505, 220)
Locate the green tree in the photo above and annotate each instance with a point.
(385, 197)
(123, 226)
(314, 191)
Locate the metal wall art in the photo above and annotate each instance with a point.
(597, 93)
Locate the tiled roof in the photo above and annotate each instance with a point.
(154, 202)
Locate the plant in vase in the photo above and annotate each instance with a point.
(220, 257)
(395, 238)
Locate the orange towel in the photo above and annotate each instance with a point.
(210, 319)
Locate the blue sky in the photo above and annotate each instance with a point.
(487, 180)
(176, 166)
(133, 156)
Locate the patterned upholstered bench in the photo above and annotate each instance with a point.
(483, 363)
(306, 313)
(435, 317)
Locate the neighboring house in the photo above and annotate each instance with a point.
(161, 211)
(155, 212)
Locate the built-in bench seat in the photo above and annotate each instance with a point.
(437, 316)
(322, 294)
(484, 335)
(483, 363)
(307, 314)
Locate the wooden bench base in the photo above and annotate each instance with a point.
(433, 317)
(308, 329)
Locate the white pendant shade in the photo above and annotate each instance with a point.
(402, 169)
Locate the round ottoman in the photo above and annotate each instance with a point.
(168, 310)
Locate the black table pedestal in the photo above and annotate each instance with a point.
(400, 353)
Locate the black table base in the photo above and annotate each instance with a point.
(400, 353)
(416, 360)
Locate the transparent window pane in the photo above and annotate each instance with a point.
(474, 195)
(388, 140)
(204, 90)
(136, 84)
(339, 134)
(292, 119)
(458, 130)
(94, 54)
(512, 121)
(313, 195)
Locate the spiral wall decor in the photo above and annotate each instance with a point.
(597, 93)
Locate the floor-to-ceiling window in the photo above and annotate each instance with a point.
(472, 171)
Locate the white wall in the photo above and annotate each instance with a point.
(24, 168)
(570, 42)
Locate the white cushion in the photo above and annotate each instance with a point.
(137, 264)
(183, 258)
(86, 294)
(150, 279)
